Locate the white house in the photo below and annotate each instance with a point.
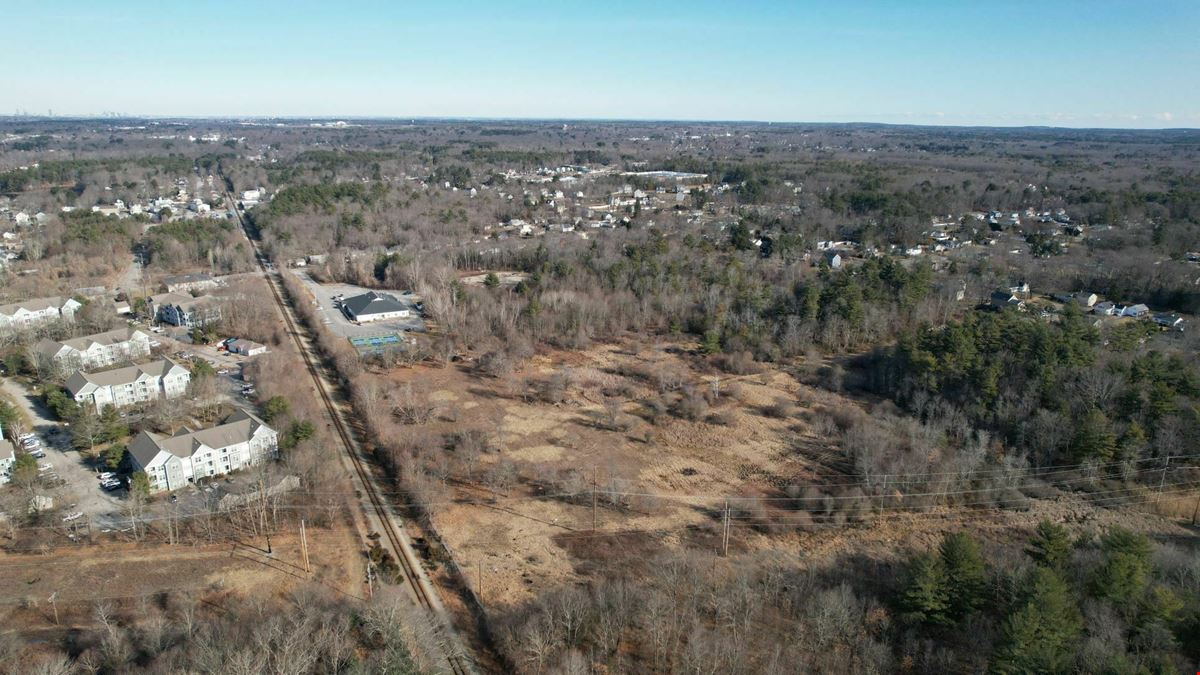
(128, 386)
(372, 306)
(1135, 311)
(172, 462)
(29, 313)
(246, 347)
(97, 351)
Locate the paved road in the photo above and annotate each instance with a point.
(82, 488)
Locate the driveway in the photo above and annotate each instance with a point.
(82, 491)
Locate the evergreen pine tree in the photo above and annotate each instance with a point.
(1040, 634)
(1050, 545)
(924, 597)
(965, 575)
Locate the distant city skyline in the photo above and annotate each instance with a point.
(1068, 63)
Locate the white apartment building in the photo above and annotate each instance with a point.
(8, 457)
(122, 387)
(29, 313)
(172, 462)
(96, 351)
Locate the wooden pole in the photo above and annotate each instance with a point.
(479, 581)
(725, 531)
(1196, 510)
(304, 547)
(1163, 480)
(54, 602)
(593, 499)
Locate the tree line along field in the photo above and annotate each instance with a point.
(686, 441)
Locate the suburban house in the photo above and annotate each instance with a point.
(1019, 289)
(245, 347)
(97, 351)
(180, 309)
(35, 312)
(1173, 321)
(1104, 308)
(1002, 298)
(1085, 299)
(834, 259)
(190, 283)
(172, 462)
(372, 306)
(1136, 311)
(128, 386)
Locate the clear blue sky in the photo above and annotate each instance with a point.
(1111, 63)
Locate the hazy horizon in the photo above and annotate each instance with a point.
(1069, 64)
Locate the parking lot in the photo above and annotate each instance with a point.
(335, 320)
(71, 483)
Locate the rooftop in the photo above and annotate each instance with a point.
(374, 303)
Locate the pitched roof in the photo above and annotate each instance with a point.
(108, 378)
(239, 427)
(35, 305)
(187, 278)
(7, 451)
(112, 337)
(170, 298)
(373, 303)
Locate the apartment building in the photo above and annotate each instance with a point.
(172, 462)
(123, 387)
(30, 313)
(96, 351)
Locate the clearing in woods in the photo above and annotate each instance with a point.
(666, 437)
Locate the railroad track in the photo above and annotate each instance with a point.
(421, 587)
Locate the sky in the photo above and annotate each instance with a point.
(1093, 63)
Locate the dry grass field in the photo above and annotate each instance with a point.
(667, 440)
(126, 573)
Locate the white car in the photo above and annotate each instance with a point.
(76, 515)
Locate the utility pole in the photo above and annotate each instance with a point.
(479, 581)
(593, 499)
(370, 581)
(1196, 510)
(725, 531)
(54, 603)
(1163, 480)
(304, 547)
